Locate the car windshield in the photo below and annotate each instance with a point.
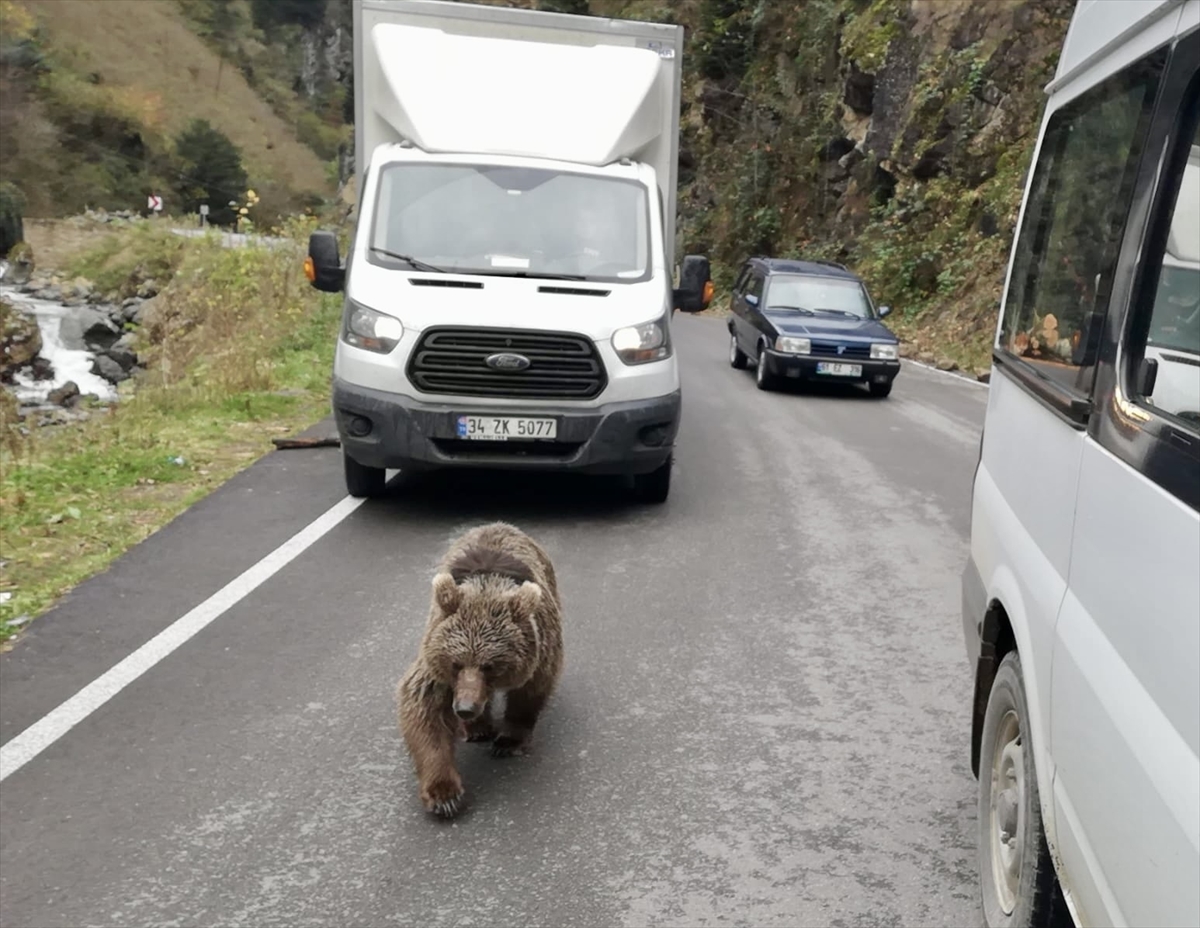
(1175, 322)
(488, 219)
(795, 292)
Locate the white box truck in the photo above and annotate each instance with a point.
(509, 287)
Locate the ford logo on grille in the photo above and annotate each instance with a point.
(507, 361)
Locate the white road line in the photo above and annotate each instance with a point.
(56, 723)
(961, 378)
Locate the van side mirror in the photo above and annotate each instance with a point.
(884, 310)
(323, 266)
(695, 290)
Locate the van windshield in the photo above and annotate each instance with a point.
(1175, 322)
(489, 219)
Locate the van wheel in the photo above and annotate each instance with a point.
(737, 357)
(880, 390)
(362, 481)
(1015, 871)
(655, 486)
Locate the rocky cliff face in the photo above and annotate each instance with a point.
(892, 135)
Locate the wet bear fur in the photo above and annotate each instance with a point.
(494, 628)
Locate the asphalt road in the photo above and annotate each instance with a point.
(763, 718)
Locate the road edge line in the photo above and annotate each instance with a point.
(27, 745)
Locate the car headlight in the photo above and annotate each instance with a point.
(370, 330)
(884, 352)
(641, 344)
(789, 345)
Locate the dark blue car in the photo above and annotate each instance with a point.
(810, 321)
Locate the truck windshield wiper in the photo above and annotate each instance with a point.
(535, 275)
(414, 263)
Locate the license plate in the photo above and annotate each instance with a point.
(506, 428)
(839, 370)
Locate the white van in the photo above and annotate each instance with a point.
(1081, 599)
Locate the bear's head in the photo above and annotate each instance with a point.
(484, 637)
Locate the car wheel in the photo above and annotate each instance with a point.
(1016, 875)
(762, 377)
(655, 486)
(880, 390)
(737, 358)
(362, 481)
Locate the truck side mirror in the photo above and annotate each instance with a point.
(323, 266)
(695, 290)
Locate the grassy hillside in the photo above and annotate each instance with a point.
(94, 93)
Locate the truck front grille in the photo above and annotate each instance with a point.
(562, 365)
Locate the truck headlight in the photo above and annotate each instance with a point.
(641, 344)
(884, 352)
(370, 330)
(787, 344)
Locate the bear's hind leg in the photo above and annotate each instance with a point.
(520, 716)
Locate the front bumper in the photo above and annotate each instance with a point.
(618, 438)
(804, 367)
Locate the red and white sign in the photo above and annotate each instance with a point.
(154, 203)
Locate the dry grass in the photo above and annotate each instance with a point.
(146, 47)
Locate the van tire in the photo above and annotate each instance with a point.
(1017, 881)
(363, 482)
(655, 486)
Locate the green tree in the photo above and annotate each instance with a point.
(270, 14)
(578, 7)
(210, 169)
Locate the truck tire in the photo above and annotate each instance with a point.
(363, 482)
(1017, 879)
(655, 486)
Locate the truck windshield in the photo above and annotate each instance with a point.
(489, 219)
(819, 294)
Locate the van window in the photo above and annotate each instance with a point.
(1081, 191)
(1164, 353)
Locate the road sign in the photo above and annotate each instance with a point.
(154, 203)
(203, 209)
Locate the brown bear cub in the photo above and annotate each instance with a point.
(495, 627)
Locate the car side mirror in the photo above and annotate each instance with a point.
(884, 311)
(695, 290)
(751, 299)
(323, 266)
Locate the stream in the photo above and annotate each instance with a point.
(68, 363)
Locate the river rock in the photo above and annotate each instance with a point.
(20, 341)
(85, 328)
(109, 369)
(124, 356)
(41, 369)
(66, 395)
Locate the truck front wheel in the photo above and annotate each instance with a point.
(362, 481)
(655, 486)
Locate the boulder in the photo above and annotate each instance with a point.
(66, 395)
(126, 358)
(109, 369)
(20, 341)
(85, 328)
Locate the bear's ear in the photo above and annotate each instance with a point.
(526, 598)
(446, 593)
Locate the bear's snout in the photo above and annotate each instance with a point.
(470, 694)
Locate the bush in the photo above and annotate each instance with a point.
(270, 14)
(12, 228)
(210, 168)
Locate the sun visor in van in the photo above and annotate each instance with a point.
(462, 93)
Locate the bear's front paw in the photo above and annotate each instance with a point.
(509, 745)
(479, 730)
(443, 797)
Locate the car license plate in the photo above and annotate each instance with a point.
(839, 370)
(505, 428)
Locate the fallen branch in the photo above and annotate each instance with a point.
(284, 443)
